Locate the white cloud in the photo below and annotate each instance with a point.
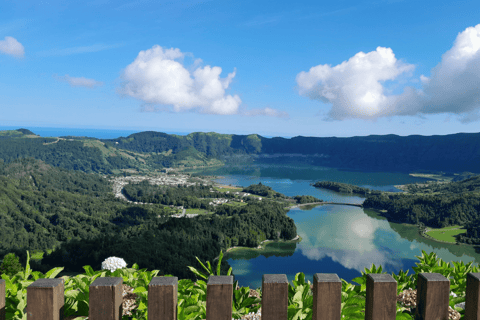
(12, 46)
(353, 87)
(155, 77)
(453, 85)
(79, 82)
(355, 90)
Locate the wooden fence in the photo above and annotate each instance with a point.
(45, 297)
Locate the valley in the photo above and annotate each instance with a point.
(72, 201)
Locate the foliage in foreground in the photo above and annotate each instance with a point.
(192, 297)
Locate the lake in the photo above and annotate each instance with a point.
(334, 239)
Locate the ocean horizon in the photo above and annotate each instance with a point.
(45, 132)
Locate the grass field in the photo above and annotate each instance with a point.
(445, 234)
(197, 211)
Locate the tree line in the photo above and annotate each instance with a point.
(176, 196)
(344, 188)
(264, 191)
(435, 211)
(306, 199)
(190, 197)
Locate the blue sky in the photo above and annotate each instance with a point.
(275, 68)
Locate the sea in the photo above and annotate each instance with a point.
(91, 133)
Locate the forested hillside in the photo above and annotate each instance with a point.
(43, 207)
(176, 196)
(155, 150)
(72, 155)
(391, 153)
(435, 205)
(92, 155)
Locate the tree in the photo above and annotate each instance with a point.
(11, 265)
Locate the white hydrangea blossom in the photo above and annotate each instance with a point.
(113, 263)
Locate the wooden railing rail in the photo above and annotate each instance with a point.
(45, 297)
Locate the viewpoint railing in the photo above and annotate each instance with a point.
(45, 297)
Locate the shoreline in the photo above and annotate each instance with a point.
(424, 235)
(259, 246)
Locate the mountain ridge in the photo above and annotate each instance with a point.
(458, 152)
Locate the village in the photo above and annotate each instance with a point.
(171, 180)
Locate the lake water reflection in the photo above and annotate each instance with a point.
(334, 239)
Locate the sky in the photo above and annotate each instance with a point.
(274, 68)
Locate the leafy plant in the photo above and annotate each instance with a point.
(242, 302)
(192, 297)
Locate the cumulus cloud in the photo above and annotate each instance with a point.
(453, 86)
(158, 77)
(79, 82)
(12, 46)
(355, 89)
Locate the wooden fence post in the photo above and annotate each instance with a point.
(327, 296)
(433, 290)
(45, 299)
(105, 301)
(219, 297)
(162, 301)
(274, 297)
(472, 298)
(381, 300)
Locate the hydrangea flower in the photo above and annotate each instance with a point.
(113, 263)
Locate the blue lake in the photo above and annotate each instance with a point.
(334, 239)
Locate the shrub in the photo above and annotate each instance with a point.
(10, 265)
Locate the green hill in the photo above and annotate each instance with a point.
(72, 219)
(96, 156)
(435, 205)
(150, 150)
